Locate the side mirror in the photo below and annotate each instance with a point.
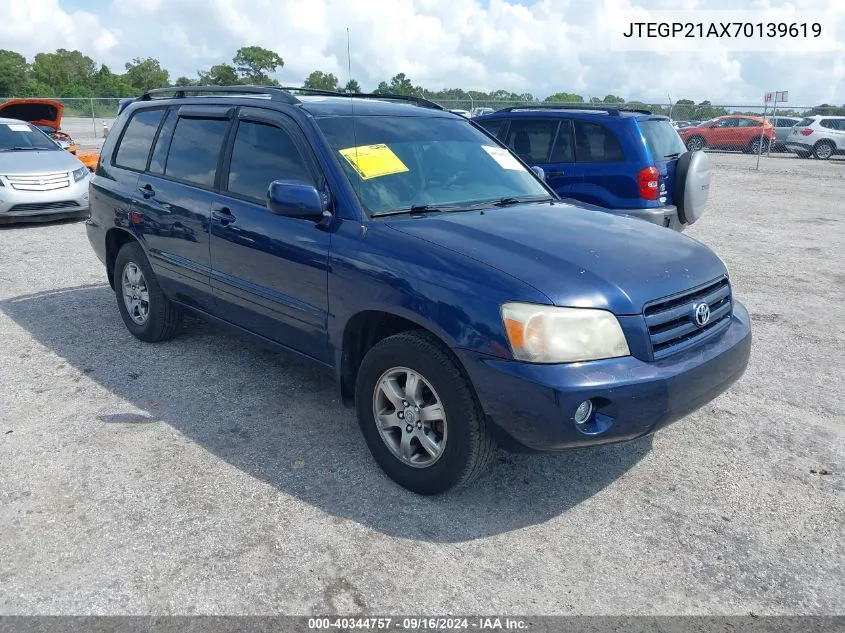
(295, 199)
(539, 171)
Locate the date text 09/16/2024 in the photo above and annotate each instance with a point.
(418, 623)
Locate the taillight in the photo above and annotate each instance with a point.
(648, 180)
(806, 132)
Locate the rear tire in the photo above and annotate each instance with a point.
(399, 421)
(824, 150)
(696, 144)
(146, 312)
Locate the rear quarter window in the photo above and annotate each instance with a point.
(134, 147)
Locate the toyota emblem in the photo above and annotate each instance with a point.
(702, 314)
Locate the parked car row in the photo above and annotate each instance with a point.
(458, 301)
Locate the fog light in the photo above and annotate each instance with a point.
(584, 412)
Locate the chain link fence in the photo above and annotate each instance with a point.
(88, 120)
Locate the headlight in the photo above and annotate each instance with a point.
(549, 334)
(80, 173)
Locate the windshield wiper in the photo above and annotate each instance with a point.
(417, 208)
(19, 149)
(508, 201)
(675, 155)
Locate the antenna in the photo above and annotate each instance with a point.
(348, 56)
(357, 181)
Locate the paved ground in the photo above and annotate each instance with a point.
(206, 475)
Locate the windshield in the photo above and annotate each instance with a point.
(396, 163)
(23, 136)
(663, 139)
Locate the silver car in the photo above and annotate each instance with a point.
(783, 126)
(38, 179)
(819, 136)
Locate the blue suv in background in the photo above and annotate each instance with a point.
(629, 162)
(458, 302)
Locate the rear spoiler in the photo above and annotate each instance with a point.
(121, 106)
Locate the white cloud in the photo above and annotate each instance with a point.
(541, 47)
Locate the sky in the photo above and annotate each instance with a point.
(537, 46)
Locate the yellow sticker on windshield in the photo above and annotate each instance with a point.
(372, 161)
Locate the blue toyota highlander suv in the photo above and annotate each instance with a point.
(457, 300)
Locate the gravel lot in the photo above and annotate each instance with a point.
(207, 475)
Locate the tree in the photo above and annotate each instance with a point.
(352, 86)
(564, 97)
(382, 88)
(106, 84)
(612, 99)
(68, 73)
(147, 73)
(319, 80)
(401, 85)
(253, 63)
(219, 75)
(13, 70)
(184, 81)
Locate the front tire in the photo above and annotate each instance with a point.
(146, 312)
(419, 415)
(754, 146)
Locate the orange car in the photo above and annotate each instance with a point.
(46, 114)
(736, 131)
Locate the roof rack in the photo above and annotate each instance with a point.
(420, 101)
(275, 94)
(611, 110)
(280, 93)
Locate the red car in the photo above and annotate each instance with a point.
(736, 131)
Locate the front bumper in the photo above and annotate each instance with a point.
(532, 406)
(27, 206)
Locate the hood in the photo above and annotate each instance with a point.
(575, 256)
(46, 112)
(19, 163)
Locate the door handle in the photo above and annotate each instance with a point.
(554, 174)
(222, 214)
(147, 190)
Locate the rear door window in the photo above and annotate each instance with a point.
(134, 148)
(804, 122)
(564, 147)
(195, 150)
(594, 143)
(531, 139)
(662, 139)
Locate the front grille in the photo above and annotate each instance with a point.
(44, 206)
(671, 321)
(39, 182)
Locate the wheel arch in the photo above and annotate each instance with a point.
(116, 238)
(365, 329)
